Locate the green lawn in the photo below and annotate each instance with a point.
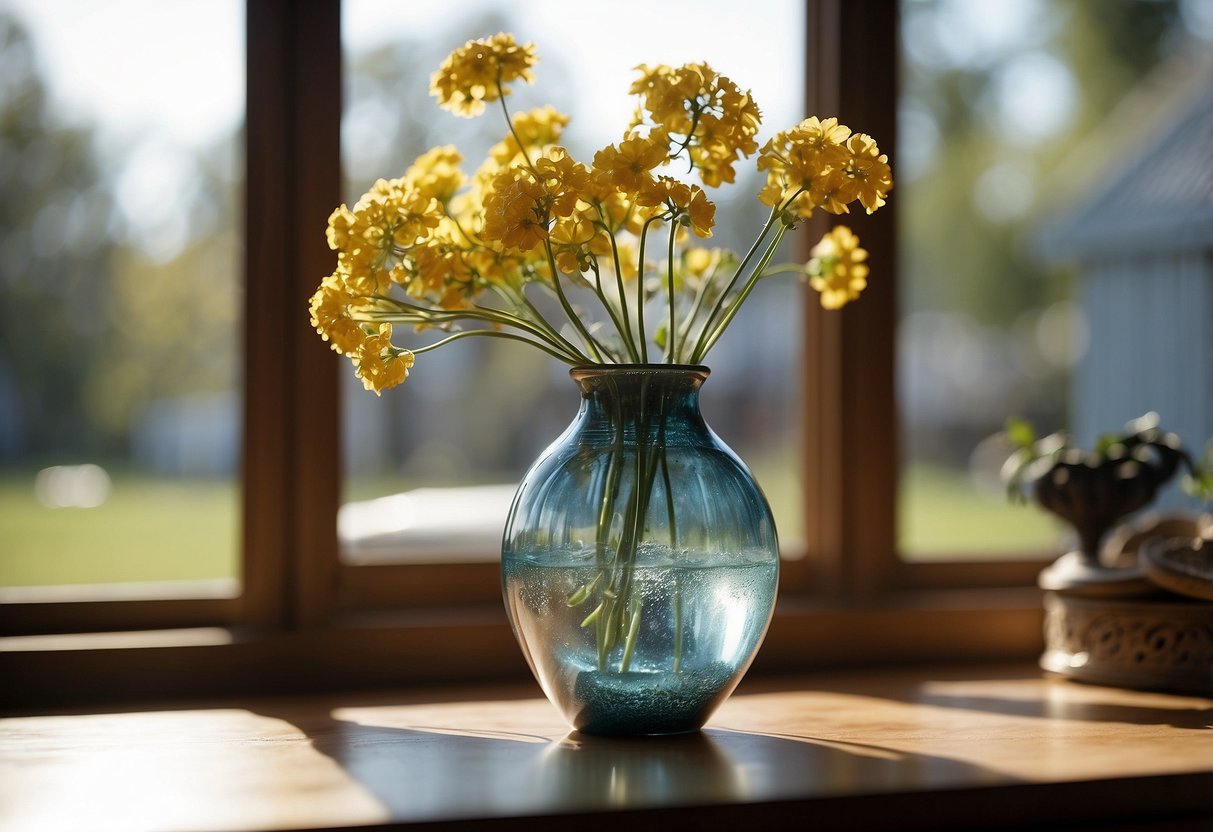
(942, 516)
(148, 530)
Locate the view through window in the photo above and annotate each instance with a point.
(432, 465)
(1032, 283)
(120, 172)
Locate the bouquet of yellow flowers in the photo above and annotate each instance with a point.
(538, 247)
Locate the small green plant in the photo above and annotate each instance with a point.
(1142, 443)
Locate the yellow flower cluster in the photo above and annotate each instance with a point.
(479, 72)
(441, 250)
(838, 270)
(822, 164)
(703, 112)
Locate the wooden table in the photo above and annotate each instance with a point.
(912, 749)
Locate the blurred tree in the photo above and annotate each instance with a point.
(984, 169)
(55, 301)
(175, 322)
(104, 311)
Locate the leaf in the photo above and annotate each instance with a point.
(1020, 432)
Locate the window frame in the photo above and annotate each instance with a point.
(304, 620)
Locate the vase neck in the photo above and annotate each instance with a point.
(641, 398)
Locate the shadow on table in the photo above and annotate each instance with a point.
(450, 772)
(1050, 698)
(1084, 711)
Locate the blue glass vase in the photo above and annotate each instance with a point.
(640, 559)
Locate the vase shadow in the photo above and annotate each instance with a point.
(437, 772)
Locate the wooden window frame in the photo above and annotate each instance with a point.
(304, 620)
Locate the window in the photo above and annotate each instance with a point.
(120, 304)
(311, 619)
(1021, 122)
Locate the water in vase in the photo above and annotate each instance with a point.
(687, 628)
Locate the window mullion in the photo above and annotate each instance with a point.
(316, 173)
(851, 424)
(293, 159)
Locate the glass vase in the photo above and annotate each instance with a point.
(640, 559)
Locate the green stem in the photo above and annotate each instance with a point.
(494, 333)
(510, 122)
(644, 342)
(672, 522)
(623, 295)
(411, 313)
(629, 645)
(696, 113)
(707, 324)
(606, 303)
(519, 299)
(786, 268)
(606, 512)
(700, 294)
(741, 298)
(569, 312)
(669, 269)
(677, 624)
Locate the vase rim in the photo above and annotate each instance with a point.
(583, 370)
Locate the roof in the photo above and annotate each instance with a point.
(1158, 190)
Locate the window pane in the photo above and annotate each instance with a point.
(451, 443)
(1038, 281)
(120, 163)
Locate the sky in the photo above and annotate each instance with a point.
(177, 65)
(160, 80)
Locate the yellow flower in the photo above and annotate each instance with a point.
(539, 129)
(340, 223)
(564, 179)
(440, 274)
(629, 165)
(574, 239)
(838, 270)
(330, 308)
(426, 249)
(703, 112)
(388, 220)
(523, 201)
(436, 174)
(495, 268)
(866, 171)
(697, 262)
(808, 157)
(379, 364)
(701, 212)
(518, 211)
(478, 72)
(688, 201)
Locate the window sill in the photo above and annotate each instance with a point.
(474, 643)
(911, 749)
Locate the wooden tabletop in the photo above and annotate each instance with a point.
(881, 750)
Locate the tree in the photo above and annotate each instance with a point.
(55, 286)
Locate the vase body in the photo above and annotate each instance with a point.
(640, 559)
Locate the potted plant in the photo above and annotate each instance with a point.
(1132, 608)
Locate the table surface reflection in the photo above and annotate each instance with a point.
(911, 749)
